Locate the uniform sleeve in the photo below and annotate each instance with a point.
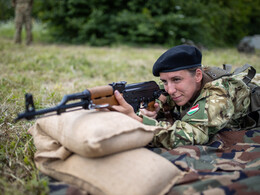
(180, 133)
(217, 105)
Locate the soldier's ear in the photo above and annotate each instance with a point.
(198, 75)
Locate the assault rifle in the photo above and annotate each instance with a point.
(138, 95)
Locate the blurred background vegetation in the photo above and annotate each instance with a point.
(217, 23)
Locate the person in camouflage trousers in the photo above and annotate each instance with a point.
(205, 106)
(23, 9)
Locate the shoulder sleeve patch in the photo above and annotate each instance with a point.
(193, 109)
(197, 112)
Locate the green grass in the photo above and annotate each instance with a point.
(40, 31)
(49, 71)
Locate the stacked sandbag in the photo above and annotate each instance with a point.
(102, 153)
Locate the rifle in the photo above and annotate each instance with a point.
(138, 95)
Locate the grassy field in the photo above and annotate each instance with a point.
(49, 71)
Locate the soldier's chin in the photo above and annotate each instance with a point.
(180, 102)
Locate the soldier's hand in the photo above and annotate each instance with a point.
(151, 114)
(124, 107)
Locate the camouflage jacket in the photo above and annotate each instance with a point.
(221, 103)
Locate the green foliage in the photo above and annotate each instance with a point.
(254, 17)
(6, 11)
(164, 22)
(151, 22)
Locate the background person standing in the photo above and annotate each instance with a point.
(23, 9)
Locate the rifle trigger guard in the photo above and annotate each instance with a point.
(94, 106)
(144, 105)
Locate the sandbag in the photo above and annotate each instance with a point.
(138, 171)
(91, 133)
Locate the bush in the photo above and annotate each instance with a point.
(164, 22)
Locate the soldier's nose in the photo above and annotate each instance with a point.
(171, 89)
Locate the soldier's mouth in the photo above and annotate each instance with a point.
(176, 98)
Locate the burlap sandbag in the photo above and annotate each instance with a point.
(133, 172)
(95, 133)
(47, 147)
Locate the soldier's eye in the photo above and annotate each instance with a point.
(163, 82)
(176, 80)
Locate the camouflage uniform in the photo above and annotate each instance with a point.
(23, 9)
(220, 103)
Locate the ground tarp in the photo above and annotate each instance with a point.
(229, 164)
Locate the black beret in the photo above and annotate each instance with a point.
(177, 58)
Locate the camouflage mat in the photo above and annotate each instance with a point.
(229, 164)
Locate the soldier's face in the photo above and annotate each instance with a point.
(181, 85)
